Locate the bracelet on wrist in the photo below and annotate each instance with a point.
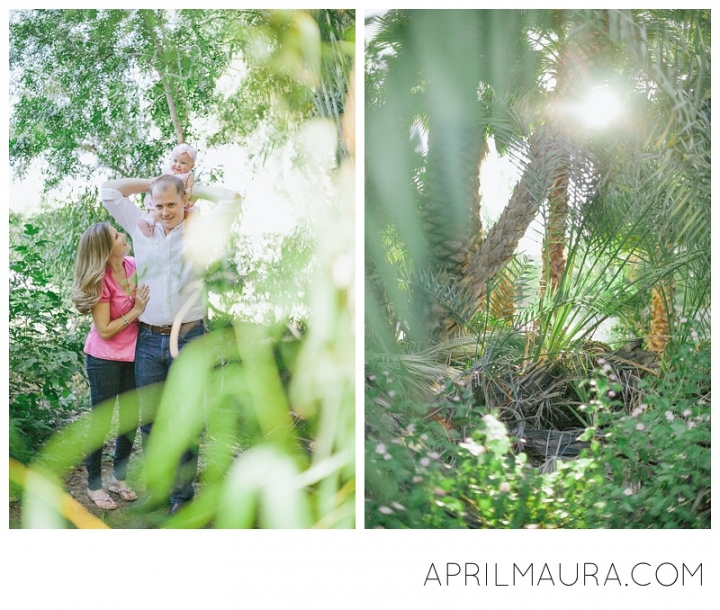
(122, 315)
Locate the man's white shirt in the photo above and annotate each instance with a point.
(161, 262)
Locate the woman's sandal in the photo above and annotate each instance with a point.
(103, 501)
(121, 488)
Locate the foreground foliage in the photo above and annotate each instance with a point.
(649, 468)
(270, 389)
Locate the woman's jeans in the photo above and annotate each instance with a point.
(152, 365)
(108, 379)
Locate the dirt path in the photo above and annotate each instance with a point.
(128, 515)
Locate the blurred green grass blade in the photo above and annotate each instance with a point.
(263, 488)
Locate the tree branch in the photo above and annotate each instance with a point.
(179, 132)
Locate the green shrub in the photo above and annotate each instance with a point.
(47, 385)
(658, 456)
(646, 469)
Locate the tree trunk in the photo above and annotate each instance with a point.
(502, 240)
(553, 252)
(158, 65)
(661, 303)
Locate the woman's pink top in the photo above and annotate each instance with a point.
(122, 345)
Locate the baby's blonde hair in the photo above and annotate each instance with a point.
(94, 252)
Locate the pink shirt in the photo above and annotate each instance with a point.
(122, 345)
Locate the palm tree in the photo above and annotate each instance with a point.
(626, 216)
(665, 161)
(450, 267)
(454, 102)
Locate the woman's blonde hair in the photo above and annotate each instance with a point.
(94, 251)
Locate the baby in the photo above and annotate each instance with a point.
(182, 161)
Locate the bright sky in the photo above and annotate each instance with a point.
(265, 210)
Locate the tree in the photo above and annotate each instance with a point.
(298, 65)
(633, 192)
(462, 103)
(152, 82)
(585, 47)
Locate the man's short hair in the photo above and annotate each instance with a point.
(166, 181)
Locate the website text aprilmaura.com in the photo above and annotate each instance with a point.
(641, 574)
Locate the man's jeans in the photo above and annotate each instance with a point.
(152, 364)
(108, 379)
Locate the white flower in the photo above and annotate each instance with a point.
(425, 461)
(417, 479)
(640, 427)
(495, 429)
(411, 428)
(434, 455)
(505, 486)
(473, 447)
(387, 456)
(687, 413)
(386, 510)
(669, 416)
(636, 411)
(381, 449)
(423, 437)
(372, 378)
(628, 491)
(691, 425)
(456, 399)
(391, 393)
(397, 506)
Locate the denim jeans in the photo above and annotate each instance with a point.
(152, 365)
(108, 379)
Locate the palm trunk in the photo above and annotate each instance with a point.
(502, 300)
(500, 244)
(661, 304)
(553, 252)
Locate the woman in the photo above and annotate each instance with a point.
(105, 284)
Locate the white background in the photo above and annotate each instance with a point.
(361, 569)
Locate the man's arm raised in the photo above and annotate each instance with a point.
(114, 195)
(214, 193)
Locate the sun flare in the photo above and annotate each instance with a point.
(600, 108)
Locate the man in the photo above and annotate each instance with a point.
(173, 283)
